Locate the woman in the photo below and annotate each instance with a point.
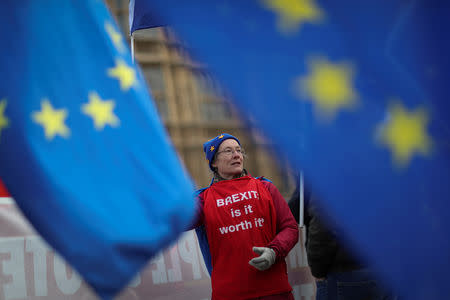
(249, 227)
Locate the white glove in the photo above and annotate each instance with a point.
(265, 259)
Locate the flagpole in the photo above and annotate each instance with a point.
(302, 201)
(132, 47)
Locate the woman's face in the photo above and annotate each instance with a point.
(229, 159)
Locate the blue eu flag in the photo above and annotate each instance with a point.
(355, 93)
(142, 16)
(82, 148)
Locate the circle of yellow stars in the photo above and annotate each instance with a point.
(329, 86)
(53, 120)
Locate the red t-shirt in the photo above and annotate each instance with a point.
(239, 214)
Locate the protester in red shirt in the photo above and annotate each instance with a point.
(249, 227)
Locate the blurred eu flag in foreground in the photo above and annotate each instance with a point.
(82, 148)
(355, 93)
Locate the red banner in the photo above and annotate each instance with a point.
(29, 269)
(3, 191)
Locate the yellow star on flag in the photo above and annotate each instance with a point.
(4, 122)
(124, 73)
(293, 13)
(116, 37)
(52, 120)
(101, 111)
(329, 86)
(212, 148)
(405, 133)
(221, 136)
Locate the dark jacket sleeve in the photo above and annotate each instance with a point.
(287, 229)
(321, 247)
(294, 203)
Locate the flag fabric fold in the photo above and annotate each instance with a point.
(142, 16)
(82, 148)
(355, 94)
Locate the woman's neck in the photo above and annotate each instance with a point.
(218, 177)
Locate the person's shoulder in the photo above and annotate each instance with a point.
(200, 191)
(263, 179)
(266, 182)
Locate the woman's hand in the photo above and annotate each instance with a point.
(265, 259)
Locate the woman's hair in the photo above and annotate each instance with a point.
(214, 169)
